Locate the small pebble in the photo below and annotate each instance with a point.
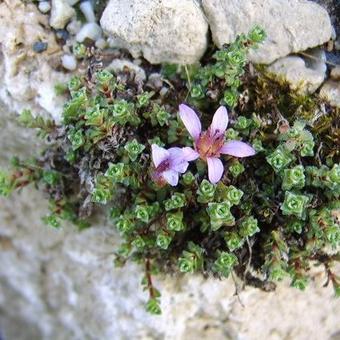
(335, 73)
(62, 34)
(337, 44)
(44, 6)
(87, 9)
(69, 62)
(101, 43)
(39, 46)
(91, 31)
(72, 2)
(74, 27)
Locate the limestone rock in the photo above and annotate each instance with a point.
(330, 91)
(304, 77)
(91, 31)
(61, 13)
(118, 65)
(335, 73)
(61, 284)
(172, 31)
(291, 25)
(27, 78)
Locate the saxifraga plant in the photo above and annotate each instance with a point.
(186, 200)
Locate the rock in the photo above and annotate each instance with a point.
(316, 60)
(69, 62)
(91, 31)
(101, 43)
(61, 13)
(27, 79)
(74, 26)
(62, 35)
(173, 31)
(39, 46)
(44, 6)
(303, 77)
(72, 290)
(118, 65)
(330, 91)
(291, 25)
(87, 8)
(337, 44)
(335, 73)
(72, 2)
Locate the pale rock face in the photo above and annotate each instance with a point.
(335, 73)
(61, 13)
(27, 78)
(291, 25)
(61, 284)
(330, 91)
(91, 31)
(118, 65)
(162, 31)
(305, 75)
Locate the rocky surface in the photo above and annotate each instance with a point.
(335, 73)
(330, 91)
(61, 13)
(27, 77)
(291, 25)
(162, 31)
(304, 74)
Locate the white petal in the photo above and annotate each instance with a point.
(215, 169)
(190, 121)
(220, 121)
(171, 176)
(159, 154)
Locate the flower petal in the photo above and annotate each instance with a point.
(159, 154)
(180, 167)
(190, 121)
(237, 149)
(220, 121)
(171, 176)
(190, 154)
(215, 169)
(177, 160)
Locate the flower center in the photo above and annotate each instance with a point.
(209, 145)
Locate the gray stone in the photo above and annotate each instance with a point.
(27, 78)
(303, 76)
(61, 13)
(118, 65)
(44, 6)
(291, 25)
(330, 91)
(61, 284)
(172, 31)
(335, 73)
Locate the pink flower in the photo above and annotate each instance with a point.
(210, 144)
(169, 164)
